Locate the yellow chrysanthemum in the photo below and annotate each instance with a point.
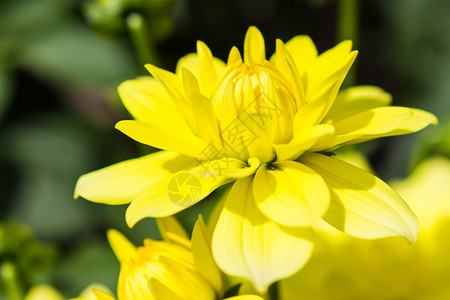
(266, 125)
(174, 269)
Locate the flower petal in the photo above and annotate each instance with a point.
(247, 244)
(181, 190)
(245, 297)
(361, 204)
(302, 142)
(122, 182)
(332, 61)
(172, 231)
(173, 85)
(172, 136)
(181, 280)
(290, 194)
(419, 120)
(204, 261)
(101, 295)
(146, 99)
(354, 100)
(254, 48)
(373, 123)
(161, 292)
(122, 247)
(303, 52)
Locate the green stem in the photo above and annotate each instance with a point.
(143, 44)
(10, 282)
(273, 292)
(348, 29)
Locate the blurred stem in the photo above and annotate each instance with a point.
(273, 291)
(348, 29)
(10, 282)
(142, 41)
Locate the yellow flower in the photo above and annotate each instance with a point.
(347, 268)
(266, 125)
(172, 269)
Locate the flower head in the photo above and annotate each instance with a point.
(265, 125)
(171, 269)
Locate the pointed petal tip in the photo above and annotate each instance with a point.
(121, 246)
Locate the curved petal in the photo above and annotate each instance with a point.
(172, 231)
(122, 182)
(302, 142)
(203, 259)
(418, 121)
(374, 123)
(181, 190)
(254, 47)
(327, 64)
(170, 136)
(245, 297)
(247, 244)
(361, 204)
(173, 85)
(121, 246)
(303, 52)
(161, 292)
(181, 280)
(146, 99)
(290, 194)
(358, 99)
(101, 295)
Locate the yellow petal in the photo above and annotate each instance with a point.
(146, 99)
(354, 100)
(192, 62)
(419, 120)
(285, 63)
(206, 123)
(182, 281)
(322, 84)
(171, 82)
(303, 52)
(161, 292)
(302, 142)
(361, 204)
(243, 170)
(234, 57)
(179, 191)
(326, 64)
(376, 121)
(42, 291)
(172, 136)
(88, 292)
(122, 182)
(204, 261)
(173, 85)
(312, 113)
(290, 193)
(172, 231)
(122, 247)
(245, 297)
(101, 295)
(254, 48)
(247, 244)
(208, 74)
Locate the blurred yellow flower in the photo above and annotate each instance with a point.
(172, 269)
(266, 125)
(347, 268)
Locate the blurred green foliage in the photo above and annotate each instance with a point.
(23, 259)
(58, 100)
